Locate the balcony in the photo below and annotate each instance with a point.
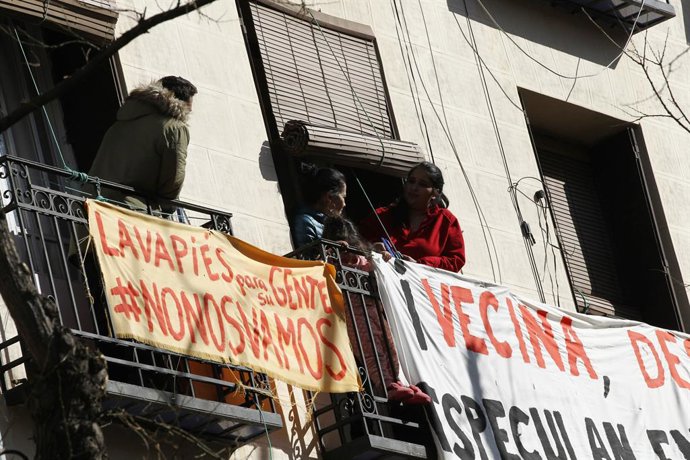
(637, 14)
(45, 211)
(364, 425)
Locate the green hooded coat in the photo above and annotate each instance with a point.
(146, 148)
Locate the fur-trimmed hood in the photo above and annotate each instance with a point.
(145, 99)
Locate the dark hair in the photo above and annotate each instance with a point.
(182, 88)
(436, 178)
(318, 181)
(401, 209)
(337, 228)
(433, 171)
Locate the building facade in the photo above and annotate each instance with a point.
(560, 128)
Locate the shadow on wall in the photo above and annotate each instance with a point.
(266, 166)
(538, 22)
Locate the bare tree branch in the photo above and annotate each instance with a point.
(142, 27)
(153, 433)
(661, 93)
(67, 378)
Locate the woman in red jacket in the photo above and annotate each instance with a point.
(418, 224)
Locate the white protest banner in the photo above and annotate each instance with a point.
(516, 379)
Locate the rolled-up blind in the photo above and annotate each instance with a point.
(320, 75)
(388, 156)
(92, 22)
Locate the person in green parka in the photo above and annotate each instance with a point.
(146, 147)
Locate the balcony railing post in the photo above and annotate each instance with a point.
(360, 419)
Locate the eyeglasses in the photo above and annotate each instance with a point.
(420, 182)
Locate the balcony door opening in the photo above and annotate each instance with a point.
(610, 224)
(79, 118)
(69, 132)
(90, 109)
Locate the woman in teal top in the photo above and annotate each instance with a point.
(324, 191)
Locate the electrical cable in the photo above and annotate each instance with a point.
(349, 82)
(541, 64)
(399, 22)
(371, 205)
(43, 107)
(477, 55)
(356, 97)
(585, 307)
(79, 176)
(572, 87)
(446, 130)
(433, 64)
(555, 260)
(475, 200)
(528, 238)
(559, 236)
(409, 81)
(546, 233)
(263, 419)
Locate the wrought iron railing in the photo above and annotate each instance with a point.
(364, 424)
(45, 212)
(44, 209)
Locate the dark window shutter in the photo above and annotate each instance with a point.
(307, 69)
(637, 222)
(584, 235)
(90, 21)
(611, 231)
(325, 89)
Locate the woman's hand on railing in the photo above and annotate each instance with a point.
(381, 249)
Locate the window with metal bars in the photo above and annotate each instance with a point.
(323, 89)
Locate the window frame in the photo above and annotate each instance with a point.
(336, 24)
(661, 234)
(286, 166)
(95, 23)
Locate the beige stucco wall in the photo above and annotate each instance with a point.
(230, 168)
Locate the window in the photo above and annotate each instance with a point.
(609, 221)
(79, 117)
(57, 38)
(319, 75)
(92, 22)
(70, 129)
(89, 110)
(324, 97)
